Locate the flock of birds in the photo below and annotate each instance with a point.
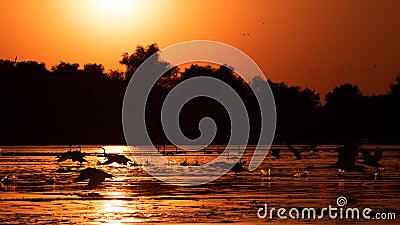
(95, 176)
(347, 156)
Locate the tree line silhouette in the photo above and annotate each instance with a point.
(72, 105)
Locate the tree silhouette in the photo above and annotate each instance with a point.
(298, 112)
(116, 75)
(65, 69)
(133, 61)
(72, 105)
(94, 70)
(346, 96)
(346, 115)
(391, 112)
(395, 88)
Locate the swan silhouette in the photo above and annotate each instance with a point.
(276, 152)
(95, 176)
(236, 168)
(197, 162)
(296, 152)
(184, 163)
(372, 159)
(347, 159)
(117, 158)
(75, 156)
(347, 156)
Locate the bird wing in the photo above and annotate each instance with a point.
(96, 177)
(378, 155)
(78, 159)
(82, 176)
(296, 152)
(60, 159)
(95, 181)
(124, 160)
(128, 159)
(349, 155)
(275, 151)
(238, 167)
(366, 153)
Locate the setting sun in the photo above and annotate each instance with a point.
(115, 7)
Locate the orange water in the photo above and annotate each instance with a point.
(133, 196)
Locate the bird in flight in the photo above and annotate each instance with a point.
(95, 176)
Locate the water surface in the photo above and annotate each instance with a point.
(132, 196)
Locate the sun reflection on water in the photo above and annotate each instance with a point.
(118, 211)
(115, 206)
(116, 149)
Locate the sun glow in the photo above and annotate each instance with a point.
(115, 16)
(115, 7)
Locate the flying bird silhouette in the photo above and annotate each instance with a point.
(117, 158)
(95, 176)
(372, 159)
(296, 152)
(347, 156)
(238, 167)
(275, 152)
(75, 156)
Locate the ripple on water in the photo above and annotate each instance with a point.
(133, 196)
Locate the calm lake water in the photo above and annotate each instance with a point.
(132, 196)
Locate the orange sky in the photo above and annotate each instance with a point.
(311, 43)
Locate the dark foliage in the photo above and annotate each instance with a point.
(68, 104)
